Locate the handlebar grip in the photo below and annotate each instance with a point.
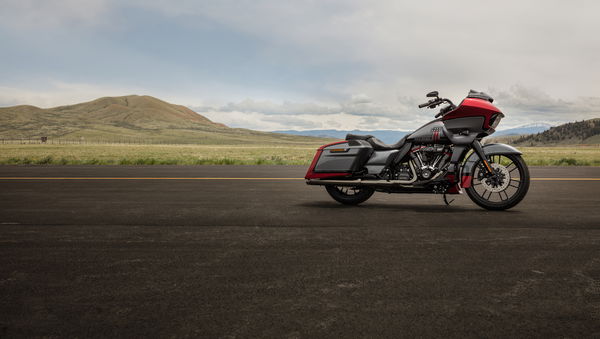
(438, 115)
(424, 105)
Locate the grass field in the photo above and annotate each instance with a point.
(118, 154)
(299, 154)
(562, 155)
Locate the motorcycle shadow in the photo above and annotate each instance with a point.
(419, 208)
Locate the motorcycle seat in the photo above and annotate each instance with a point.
(377, 144)
(350, 136)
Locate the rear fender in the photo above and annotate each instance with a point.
(490, 149)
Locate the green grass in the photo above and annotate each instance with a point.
(102, 154)
(302, 154)
(562, 155)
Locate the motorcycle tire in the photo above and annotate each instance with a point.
(341, 194)
(511, 201)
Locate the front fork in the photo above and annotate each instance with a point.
(458, 155)
(476, 145)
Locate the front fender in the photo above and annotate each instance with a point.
(490, 149)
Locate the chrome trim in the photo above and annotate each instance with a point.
(361, 182)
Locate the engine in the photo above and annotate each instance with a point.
(431, 160)
(426, 162)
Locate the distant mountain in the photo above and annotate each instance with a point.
(525, 129)
(139, 118)
(579, 132)
(391, 136)
(585, 132)
(387, 136)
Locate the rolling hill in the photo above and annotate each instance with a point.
(524, 129)
(572, 133)
(137, 118)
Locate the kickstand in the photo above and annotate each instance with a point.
(446, 200)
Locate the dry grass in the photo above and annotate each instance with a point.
(300, 154)
(117, 154)
(562, 155)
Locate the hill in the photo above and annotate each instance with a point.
(579, 132)
(139, 118)
(525, 129)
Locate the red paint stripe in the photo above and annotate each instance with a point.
(333, 143)
(310, 174)
(325, 175)
(466, 181)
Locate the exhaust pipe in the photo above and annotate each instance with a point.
(360, 182)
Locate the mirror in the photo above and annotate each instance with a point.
(433, 94)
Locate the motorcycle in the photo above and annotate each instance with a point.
(444, 156)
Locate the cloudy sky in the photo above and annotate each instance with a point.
(272, 64)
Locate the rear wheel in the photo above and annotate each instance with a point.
(506, 188)
(349, 195)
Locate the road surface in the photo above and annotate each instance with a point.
(264, 255)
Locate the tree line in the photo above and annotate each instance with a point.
(578, 130)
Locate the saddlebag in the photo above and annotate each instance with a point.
(344, 157)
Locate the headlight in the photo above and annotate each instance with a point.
(495, 120)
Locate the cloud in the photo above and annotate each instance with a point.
(304, 121)
(351, 106)
(521, 104)
(306, 63)
(27, 14)
(524, 104)
(357, 112)
(361, 99)
(396, 46)
(269, 107)
(457, 45)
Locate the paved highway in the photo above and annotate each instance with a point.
(168, 251)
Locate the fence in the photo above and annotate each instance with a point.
(207, 140)
(61, 141)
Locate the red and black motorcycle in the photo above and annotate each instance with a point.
(444, 156)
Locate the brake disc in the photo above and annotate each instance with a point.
(500, 182)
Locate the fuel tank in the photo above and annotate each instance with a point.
(430, 133)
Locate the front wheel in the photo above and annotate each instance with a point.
(349, 195)
(506, 188)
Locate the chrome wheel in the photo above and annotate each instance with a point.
(505, 188)
(499, 182)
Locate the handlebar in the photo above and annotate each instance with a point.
(432, 103)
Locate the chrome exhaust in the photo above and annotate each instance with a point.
(361, 182)
(357, 182)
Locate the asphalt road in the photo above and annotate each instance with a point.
(277, 258)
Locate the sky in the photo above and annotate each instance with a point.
(306, 64)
